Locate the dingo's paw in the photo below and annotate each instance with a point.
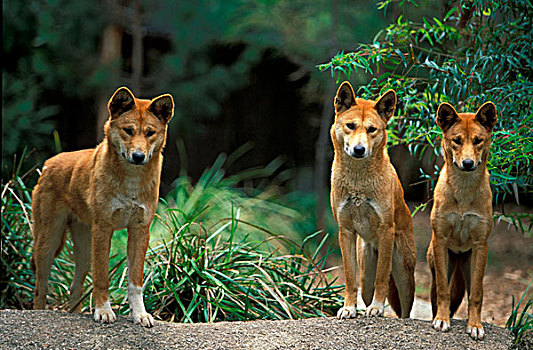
(347, 312)
(476, 331)
(104, 314)
(375, 309)
(144, 319)
(442, 325)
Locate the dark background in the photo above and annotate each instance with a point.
(241, 73)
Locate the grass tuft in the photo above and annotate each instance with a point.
(16, 286)
(225, 274)
(521, 322)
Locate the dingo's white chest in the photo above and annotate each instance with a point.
(127, 210)
(462, 227)
(363, 214)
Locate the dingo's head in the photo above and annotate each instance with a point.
(360, 125)
(137, 128)
(466, 136)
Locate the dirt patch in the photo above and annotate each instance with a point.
(60, 330)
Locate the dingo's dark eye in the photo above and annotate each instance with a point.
(457, 140)
(350, 126)
(128, 131)
(477, 141)
(371, 129)
(150, 133)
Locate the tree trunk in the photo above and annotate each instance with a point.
(123, 17)
(323, 146)
(111, 50)
(137, 58)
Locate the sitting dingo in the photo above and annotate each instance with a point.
(368, 205)
(461, 217)
(96, 191)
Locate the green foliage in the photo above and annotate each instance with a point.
(521, 322)
(16, 288)
(190, 69)
(50, 55)
(217, 252)
(219, 193)
(435, 60)
(23, 122)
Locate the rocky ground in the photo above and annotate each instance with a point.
(60, 330)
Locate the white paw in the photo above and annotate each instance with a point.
(347, 312)
(375, 309)
(104, 314)
(476, 332)
(144, 319)
(441, 325)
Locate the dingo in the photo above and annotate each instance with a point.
(96, 191)
(368, 205)
(461, 217)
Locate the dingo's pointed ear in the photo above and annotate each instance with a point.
(162, 107)
(386, 105)
(486, 115)
(446, 116)
(121, 101)
(345, 98)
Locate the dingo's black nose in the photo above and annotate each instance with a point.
(359, 151)
(137, 157)
(468, 164)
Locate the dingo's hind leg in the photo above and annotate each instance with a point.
(403, 282)
(81, 237)
(49, 233)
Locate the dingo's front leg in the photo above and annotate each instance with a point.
(101, 242)
(347, 243)
(138, 238)
(383, 271)
(81, 239)
(441, 322)
(477, 270)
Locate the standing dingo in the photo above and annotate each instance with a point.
(96, 191)
(368, 205)
(461, 218)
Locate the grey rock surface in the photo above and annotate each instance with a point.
(24, 329)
